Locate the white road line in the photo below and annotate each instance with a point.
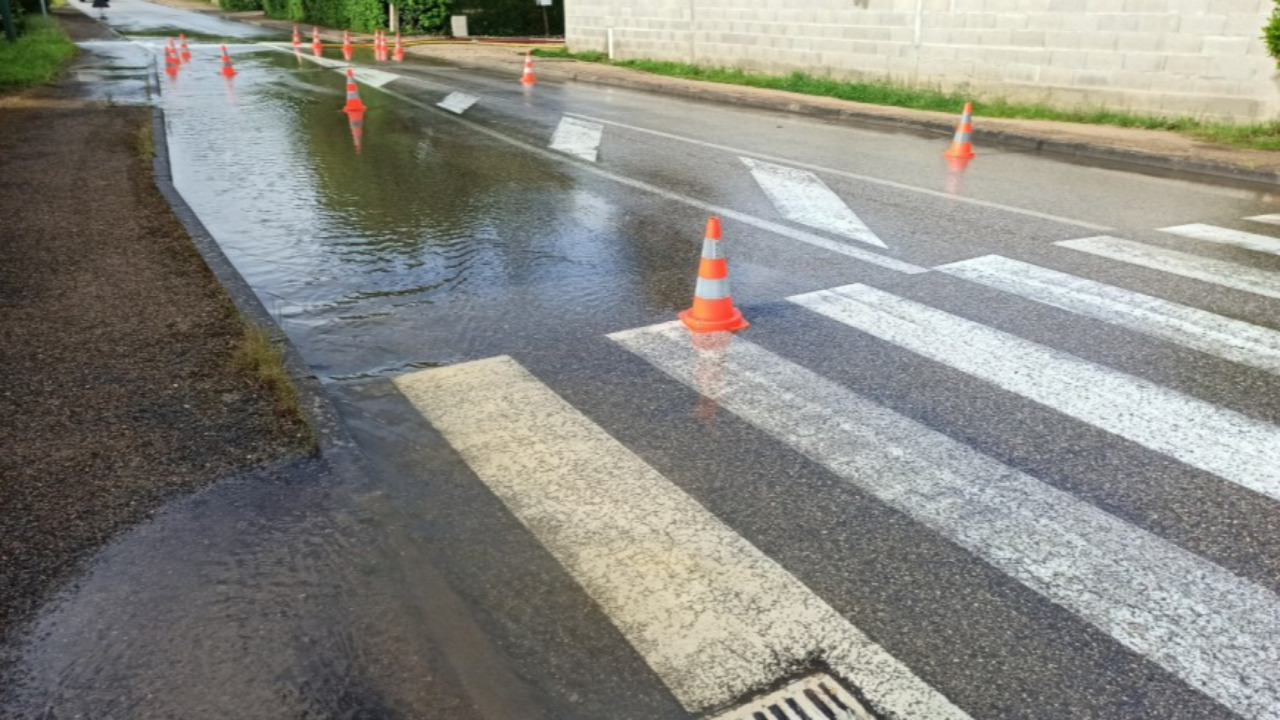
(1218, 632)
(1219, 272)
(578, 138)
(374, 78)
(1207, 332)
(855, 176)
(1221, 441)
(1268, 219)
(713, 616)
(856, 253)
(800, 196)
(458, 102)
(1226, 236)
(368, 76)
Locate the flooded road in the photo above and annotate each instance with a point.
(421, 238)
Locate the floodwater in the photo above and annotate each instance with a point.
(405, 241)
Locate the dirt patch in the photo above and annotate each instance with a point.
(117, 391)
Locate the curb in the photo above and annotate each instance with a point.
(798, 105)
(332, 438)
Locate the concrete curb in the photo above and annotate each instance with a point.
(335, 443)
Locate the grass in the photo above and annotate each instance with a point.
(146, 142)
(1257, 136)
(38, 56)
(262, 362)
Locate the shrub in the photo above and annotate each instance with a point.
(425, 16)
(240, 5)
(1271, 32)
(509, 17)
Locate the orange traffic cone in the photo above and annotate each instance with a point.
(170, 62)
(186, 52)
(346, 45)
(399, 56)
(317, 47)
(297, 39)
(961, 148)
(356, 120)
(227, 70)
(381, 46)
(712, 306)
(527, 78)
(354, 104)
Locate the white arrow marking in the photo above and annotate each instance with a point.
(801, 197)
(457, 102)
(578, 138)
(374, 78)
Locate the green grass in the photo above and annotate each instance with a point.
(262, 362)
(38, 56)
(146, 142)
(1258, 136)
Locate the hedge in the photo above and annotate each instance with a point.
(425, 16)
(509, 17)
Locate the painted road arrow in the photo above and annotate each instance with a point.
(801, 197)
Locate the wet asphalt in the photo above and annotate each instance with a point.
(452, 238)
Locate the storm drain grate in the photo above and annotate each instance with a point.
(817, 697)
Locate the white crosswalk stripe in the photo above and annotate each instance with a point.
(714, 617)
(1218, 632)
(1207, 332)
(800, 196)
(578, 138)
(1230, 445)
(1226, 274)
(1227, 236)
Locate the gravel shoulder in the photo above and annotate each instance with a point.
(117, 390)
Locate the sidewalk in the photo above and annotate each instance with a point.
(1157, 149)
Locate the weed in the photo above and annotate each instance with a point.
(262, 362)
(146, 142)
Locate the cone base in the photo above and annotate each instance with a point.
(228, 72)
(528, 80)
(354, 107)
(960, 152)
(702, 325)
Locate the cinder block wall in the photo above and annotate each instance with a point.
(1184, 57)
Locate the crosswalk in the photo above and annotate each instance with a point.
(716, 618)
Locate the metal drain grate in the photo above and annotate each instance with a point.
(817, 697)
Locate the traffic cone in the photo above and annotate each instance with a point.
(317, 47)
(355, 119)
(961, 148)
(713, 308)
(354, 104)
(186, 52)
(527, 78)
(297, 39)
(346, 45)
(399, 56)
(170, 62)
(379, 46)
(227, 70)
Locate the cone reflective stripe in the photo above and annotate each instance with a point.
(354, 104)
(297, 39)
(227, 70)
(961, 145)
(713, 308)
(399, 56)
(528, 78)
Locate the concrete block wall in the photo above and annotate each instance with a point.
(1174, 57)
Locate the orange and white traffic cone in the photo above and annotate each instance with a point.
(170, 62)
(346, 45)
(317, 47)
(297, 39)
(399, 56)
(227, 70)
(383, 55)
(527, 78)
(961, 146)
(354, 103)
(713, 308)
(186, 51)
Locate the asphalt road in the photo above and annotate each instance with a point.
(999, 442)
